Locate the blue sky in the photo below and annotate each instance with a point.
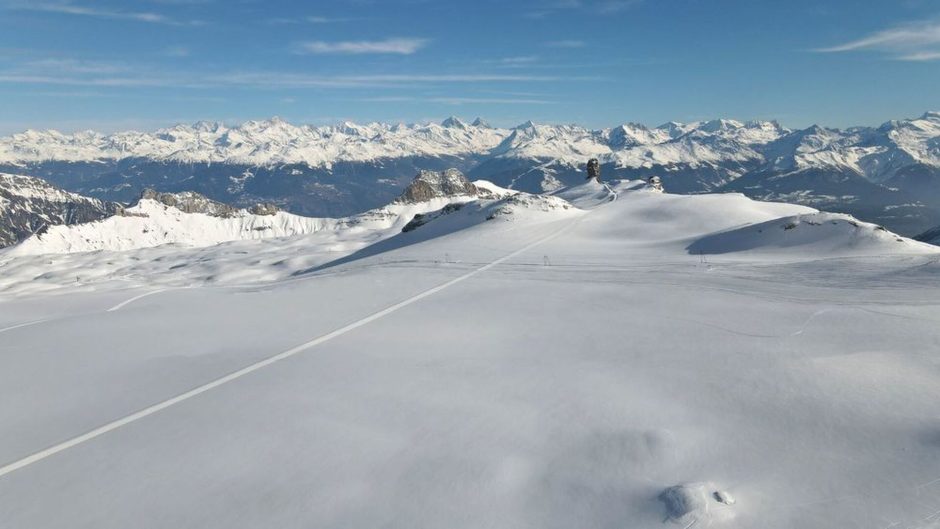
(113, 65)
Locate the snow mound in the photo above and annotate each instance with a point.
(592, 193)
(525, 202)
(587, 195)
(487, 189)
(829, 234)
(695, 503)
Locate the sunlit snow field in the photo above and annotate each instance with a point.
(552, 367)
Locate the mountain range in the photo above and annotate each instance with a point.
(888, 175)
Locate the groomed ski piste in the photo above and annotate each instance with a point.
(607, 356)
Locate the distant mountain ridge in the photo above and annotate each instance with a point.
(888, 174)
(190, 219)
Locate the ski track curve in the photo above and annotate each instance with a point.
(127, 302)
(155, 408)
(22, 325)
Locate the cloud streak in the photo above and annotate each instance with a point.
(599, 7)
(68, 8)
(570, 44)
(911, 42)
(395, 46)
(71, 72)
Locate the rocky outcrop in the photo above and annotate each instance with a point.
(30, 205)
(191, 202)
(264, 209)
(430, 184)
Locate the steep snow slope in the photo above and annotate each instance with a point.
(549, 368)
(30, 205)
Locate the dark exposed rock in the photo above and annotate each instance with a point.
(931, 236)
(430, 184)
(190, 202)
(29, 205)
(263, 209)
(423, 218)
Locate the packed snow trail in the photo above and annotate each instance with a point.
(114, 425)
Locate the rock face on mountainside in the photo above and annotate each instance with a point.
(931, 236)
(430, 184)
(30, 205)
(190, 202)
(889, 174)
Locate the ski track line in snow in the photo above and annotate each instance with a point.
(21, 325)
(127, 302)
(114, 425)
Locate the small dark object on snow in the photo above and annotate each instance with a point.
(594, 169)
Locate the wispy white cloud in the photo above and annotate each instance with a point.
(489, 101)
(326, 20)
(520, 60)
(311, 19)
(910, 42)
(615, 6)
(295, 80)
(601, 7)
(176, 51)
(398, 46)
(566, 44)
(920, 56)
(71, 66)
(72, 72)
(69, 8)
(456, 100)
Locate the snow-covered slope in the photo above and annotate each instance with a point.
(151, 223)
(30, 205)
(510, 363)
(809, 234)
(650, 223)
(189, 219)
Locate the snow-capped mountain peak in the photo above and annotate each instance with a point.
(454, 122)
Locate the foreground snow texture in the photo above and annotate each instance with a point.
(642, 361)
